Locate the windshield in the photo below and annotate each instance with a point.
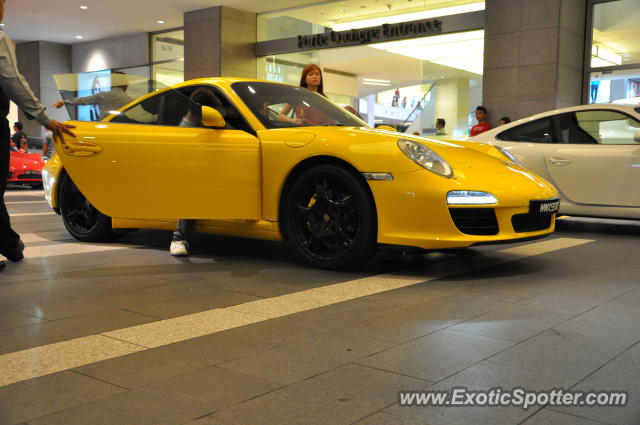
(283, 106)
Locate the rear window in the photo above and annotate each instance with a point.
(538, 131)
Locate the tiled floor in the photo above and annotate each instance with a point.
(559, 315)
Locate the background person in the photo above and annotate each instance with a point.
(18, 135)
(107, 101)
(440, 124)
(200, 97)
(311, 79)
(503, 121)
(483, 125)
(14, 87)
(48, 147)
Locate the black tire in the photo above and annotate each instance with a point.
(329, 218)
(82, 220)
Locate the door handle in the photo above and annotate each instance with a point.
(559, 161)
(82, 148)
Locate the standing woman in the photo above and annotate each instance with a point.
(310, 79)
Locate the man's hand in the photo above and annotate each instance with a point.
(59, 104)
(59, 130)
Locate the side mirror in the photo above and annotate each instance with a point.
(386, 127)
(212, 118)
(636, 137)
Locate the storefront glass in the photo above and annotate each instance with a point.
(616, 33)
(167, 49)
(408, 84)
(346, 14)
(614, 72)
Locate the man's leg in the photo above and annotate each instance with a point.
(10, 244)
(180, 243)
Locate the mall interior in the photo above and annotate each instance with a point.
(444, 235)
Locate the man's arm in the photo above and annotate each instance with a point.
(82, 101)
(15, 86)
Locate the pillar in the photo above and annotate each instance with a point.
(534, 54)
(219, 42)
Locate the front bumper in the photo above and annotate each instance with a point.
(413, 210)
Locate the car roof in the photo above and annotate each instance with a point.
(628, 109)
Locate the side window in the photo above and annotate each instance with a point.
(145, 112)
(182, 108)
(571, 132)
(538, 131)
(608, 127)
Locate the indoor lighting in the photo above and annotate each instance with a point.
(371, 80)
(161, 22)
(463, 50)
(601, 56)
(407, 17)
(376, 84)
(79, 37)
(83, 7)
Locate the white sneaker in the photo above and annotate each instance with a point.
(179, 248)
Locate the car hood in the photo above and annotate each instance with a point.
(19, 160)
(375, 149)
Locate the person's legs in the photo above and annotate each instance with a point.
(10, 244)
(180, 243)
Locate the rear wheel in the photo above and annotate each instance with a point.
(82, 220)
(329, 218)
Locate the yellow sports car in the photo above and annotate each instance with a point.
(228, 153)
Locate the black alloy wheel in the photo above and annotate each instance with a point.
(329, 218)
(82, 220)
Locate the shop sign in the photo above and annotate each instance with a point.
(386, 32)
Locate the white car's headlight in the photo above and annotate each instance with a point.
(511, 157)
(470, 197)
(425, 157)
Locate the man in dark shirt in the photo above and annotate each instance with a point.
(18, 135)
(14, 87)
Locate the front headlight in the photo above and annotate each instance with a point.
(511, 157)
(425, 157)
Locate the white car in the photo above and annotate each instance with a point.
(591, 153)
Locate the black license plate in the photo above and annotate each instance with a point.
(549, 206)
(32, 172)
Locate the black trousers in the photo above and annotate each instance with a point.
(8, 238)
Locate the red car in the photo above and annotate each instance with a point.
(25, 169)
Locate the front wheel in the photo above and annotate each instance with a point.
(329, 218)
(82, 220)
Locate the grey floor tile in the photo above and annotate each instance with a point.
(483, 376)
(208, 420)
(566, 354)
(15, 319)
(139, 407)
(223, 387)
(383, 418)
(140, 369)
(342, 396)
(512, 322)
(631, 356)
(42, 396)
(293, 362)
(436, 356)
(606, 320)
(192, 304)
(551, 417)
(615, 376)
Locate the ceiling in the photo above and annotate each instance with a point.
(62, 20)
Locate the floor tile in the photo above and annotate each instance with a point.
(39, 397)
(339, 397)
(551, 417)
(566, 354)
(436, 356)
(139, 407)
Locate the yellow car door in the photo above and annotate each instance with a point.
(156, 161)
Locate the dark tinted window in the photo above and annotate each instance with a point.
(572, 132)
(538, 131)
(145, 112)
